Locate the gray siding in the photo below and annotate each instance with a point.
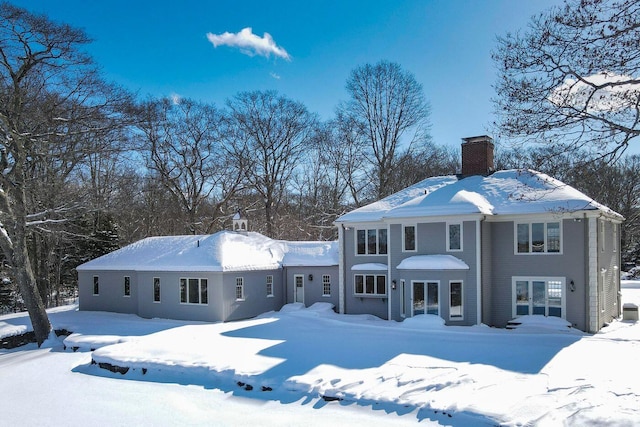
(570, 264)
(255, 299)
(170, 306)
(432, 240)
(111, 296)
(362, 304)
(313, 289)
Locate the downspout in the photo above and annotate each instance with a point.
(341, 269)
(479, 270)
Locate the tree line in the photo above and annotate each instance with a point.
(87, 167)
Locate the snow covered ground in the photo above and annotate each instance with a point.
(276, 369)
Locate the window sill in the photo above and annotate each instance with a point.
(377, 296)
(538, 253)
(239, 299)
(269, 296)
(326, 296)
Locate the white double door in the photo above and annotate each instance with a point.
(425, 297)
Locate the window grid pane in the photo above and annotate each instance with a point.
(204, 291)
(371, 242)
(183, 290)
(382, 241)
(326, 285)
(523, 238)
(367, 284)
(537, 237)
(239, 288)
(361, 242)
(269, 286)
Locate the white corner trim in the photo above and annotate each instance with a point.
(478, 273)
(340, 270)
(592, 269)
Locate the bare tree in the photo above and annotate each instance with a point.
(391, 112)
(267, 135)
(51, 98)
(344, 150)
(183, 146)
(573, 78)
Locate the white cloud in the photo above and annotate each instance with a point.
(274, 75)
(602, 92)
(249, 43)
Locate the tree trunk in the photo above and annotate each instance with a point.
(30, 294)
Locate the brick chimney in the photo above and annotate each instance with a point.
(477, 156)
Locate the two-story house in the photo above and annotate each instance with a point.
(484, 246)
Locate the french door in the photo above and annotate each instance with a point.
(539, 295)
(425, 298)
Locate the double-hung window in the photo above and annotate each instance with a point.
(538, 237)
(239, 288)
(372, 241)
(326, 285)
(194, 291)
(269, 285)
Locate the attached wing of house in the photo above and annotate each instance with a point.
(525, 244)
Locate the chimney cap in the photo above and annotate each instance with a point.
(480, 138)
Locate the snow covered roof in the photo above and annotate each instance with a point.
(222, 251)
(516, 191)
(310, 254)
(370, 266)
(432, 262)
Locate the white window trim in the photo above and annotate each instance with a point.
(366, 241)
(324, 294)
(614, 244)
(403, 305)
(602, 236)
(375, 286)
(461, 317)
(199, 279)
(546, 244)
(239, 281)
(461, 237)
(269, 281)
(426, 282)
(415, 238)
(546, 280)
(124, 287)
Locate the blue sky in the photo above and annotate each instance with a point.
(160, 48)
